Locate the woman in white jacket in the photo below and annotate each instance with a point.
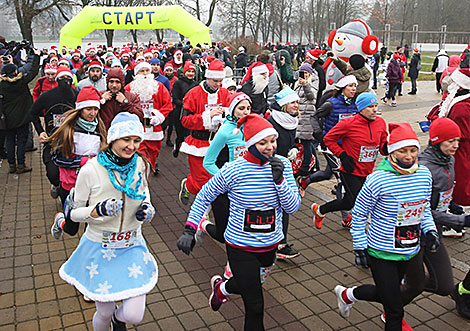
(112, 261)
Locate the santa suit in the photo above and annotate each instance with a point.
(199, 103)
(155, 111)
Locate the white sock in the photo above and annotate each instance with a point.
(350, 294)
(223, 290)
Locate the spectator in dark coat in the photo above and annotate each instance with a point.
(413, 70)
(394, 76)
(241, 60)
(257, 88)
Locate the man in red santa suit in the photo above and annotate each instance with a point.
(156, 105)
(203, 106)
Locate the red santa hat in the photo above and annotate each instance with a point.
(63, 71)
(141, 65)
(50, 68)
(461, 77)
(88, 97)
(178, 51)
(64, 60)
(168, 66)
(188, 66)
(443, 129)
(259, 69)
(215, 70)
(100, 48)
(76, 52)
(210, 58)
(314, 54)
(255, 128)
(148, 52)
(140, 57)
(125, 52)
(345, 81)
(234, 100)
(53, 50)
(53, 57)
(95, 65)
(401, 135)
(91, 49)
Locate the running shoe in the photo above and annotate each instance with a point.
(227, 272)
(451, 233)
(393, 104)
(384, 100)
(54, 191)
(87, 299)
(404, 325)
(184, 193)
(462, 302)
(287, 252)
(216, 300)
(344, 308)
(117, 325)
(347, 222)
(317, 218)
(56, 230)
(201, 232)
(302, 184)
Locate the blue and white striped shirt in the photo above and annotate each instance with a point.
(249, 186)
(381, 196)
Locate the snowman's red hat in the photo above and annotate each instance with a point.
(358, 28)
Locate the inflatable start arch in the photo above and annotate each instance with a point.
(127, 18)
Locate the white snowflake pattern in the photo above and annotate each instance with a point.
(93, 268)
(134, 271)
(104, 288)
(147, 257)
(108, 254)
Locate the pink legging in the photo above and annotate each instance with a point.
(130, 312)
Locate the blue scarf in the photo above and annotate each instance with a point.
(127, 175)
(87, 125)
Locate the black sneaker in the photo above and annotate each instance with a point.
(176, 151)
(169, 143)
(184, 193)
(156, 171)
(287, 252)
(456, 209)
(117, 325)
(462, 302)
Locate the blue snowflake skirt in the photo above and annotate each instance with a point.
(105, 274)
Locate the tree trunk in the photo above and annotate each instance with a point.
(109, 37)
(160, 35)
(134, 36)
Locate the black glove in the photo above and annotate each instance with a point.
(277, 168)
(466, 221)
(432, 241)
(361, 258)
(186, 242)
(347, 162)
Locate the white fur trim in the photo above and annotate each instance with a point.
(311, 56)
(149, 134)
(193, 150)
(76, 54)
(64, 73)
(46, 71)
(261, 69)
(95, 66)
(288, 99)
(461, 79)
(260, 136)
(345, 81)
(87, 103)
(402, 143)
(207, 121)
(215, 74)
(142, 65)
(157, 118)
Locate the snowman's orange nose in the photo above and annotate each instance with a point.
(339, 41)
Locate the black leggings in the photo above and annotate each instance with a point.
(52, 171)
(352, 185)
(221, 210)
(181, 131)
(246, 281)
(439, 279)
(332, 163)
(70, 226)
(387, 276)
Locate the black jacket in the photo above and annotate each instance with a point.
(413, 66)
(259, 102)
(180, 88)
(241, 61)
(321, 80)
(17, 97)
(286, 138)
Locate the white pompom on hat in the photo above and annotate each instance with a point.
(215, 70)
(125, 125)
(255, 128)
(88, 97)
(401, 135)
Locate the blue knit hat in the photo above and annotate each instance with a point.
(285, 96)
(365, 99)
(125, 125)
(154, 60)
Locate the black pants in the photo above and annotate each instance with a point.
(29, 141)
(332, 163)
(246, 281)
(52, 171)
(352, 185)
(414, 89)
(438, 81)
(70, 226)
(438, 280)
(16, 144)
(392, 89)
(181, 131)
(387, 276)
(221, 211)
(169, 123)
(285, 226)
(466, 281)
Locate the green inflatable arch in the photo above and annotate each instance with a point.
(127, 18)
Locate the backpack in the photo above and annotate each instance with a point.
(418, 66)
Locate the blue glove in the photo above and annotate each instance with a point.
(109, 207)
(145, 213)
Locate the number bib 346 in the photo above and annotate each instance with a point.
(119, 239)
(260, 221)
(368, 153)
(408, 228)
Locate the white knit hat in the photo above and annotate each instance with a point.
(345, 81)
(125, 125)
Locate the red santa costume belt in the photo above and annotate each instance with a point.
(202, 135)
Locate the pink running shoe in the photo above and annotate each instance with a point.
(216, 300)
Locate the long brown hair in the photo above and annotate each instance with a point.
(62, 138)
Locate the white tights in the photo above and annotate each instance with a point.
(130, 312)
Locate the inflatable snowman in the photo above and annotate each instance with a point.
(352, 38)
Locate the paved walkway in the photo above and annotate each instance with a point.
(298, 294)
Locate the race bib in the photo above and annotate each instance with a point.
(368, 153)
(343, 116)
(259, 221)
(119, 239)
(238, 152)
(444, 200)
(209, 107)
(57, 119)
(147, 108)
(408, 228)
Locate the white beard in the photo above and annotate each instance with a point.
(144, 86)
(179, 61)
(259, 83)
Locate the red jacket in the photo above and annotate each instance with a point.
(460, 114)
(42, 85)
(360, 139)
